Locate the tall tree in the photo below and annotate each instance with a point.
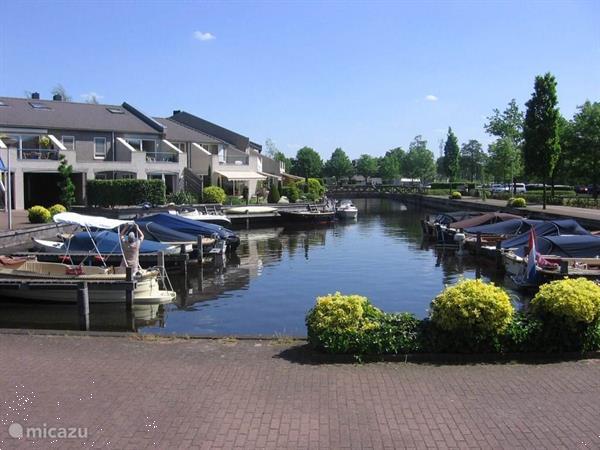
(339, 165)
(471, 159)
(586, 143)
(507, 124)
(366, 166)
(452, 156)
(66, 186)
(308, 163)
(504, 162)
(419, 161)
(60, 90)
(541, 146)
(390, 166)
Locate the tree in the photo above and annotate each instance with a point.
(504, 162)
(308, 163)
(274, 193)
(339, 165)
(586, 143)
(92, 98)
(66, 186)
(471, 159)
(452, 156)
(60, 90)
(390, 166)
(419, 161)
(366, 166)
(541, 146)
(508, 124)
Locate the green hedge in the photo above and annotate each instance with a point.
(109, 193)
(455, 185)
(549, 188)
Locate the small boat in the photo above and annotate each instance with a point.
(445, 234)
(312, 213)
(25, 270)
(346, 210)
(445, 218)
(251, 209)
(192, 227)
(203, 216)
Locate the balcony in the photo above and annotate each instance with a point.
(235, 160)
(162, 157)
(43, 154)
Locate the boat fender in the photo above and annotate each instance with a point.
(459, 237)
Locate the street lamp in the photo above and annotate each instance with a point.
(8, 191)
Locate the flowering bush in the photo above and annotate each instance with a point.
(38, 214)
(456, 195)
(518, 202)
(575, 300)
(55, 209)
(472, 305)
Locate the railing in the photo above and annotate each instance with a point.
(162, 157)
(236, 160)
(38, 154)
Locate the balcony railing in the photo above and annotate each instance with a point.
(162, 157)
(38, 154)
(236, 160)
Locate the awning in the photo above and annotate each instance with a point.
(126, 144)
(240, 175)
(272, 175)
(2, 144)
(291, 177)
(57, 142)
(202, 149)
(171, 146)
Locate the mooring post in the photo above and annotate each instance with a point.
(129, 289)
(247, 219)
(564, 267)
(83, 306)
(200, 249)
(478, 244)
(499, 255)
(160, 256)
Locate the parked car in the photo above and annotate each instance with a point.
(519, 188)
(497, 188)
(583, 189)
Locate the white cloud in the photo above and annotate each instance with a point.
(431, 98)
(204, 36)
(91, 95)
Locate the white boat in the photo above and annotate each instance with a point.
(346, 210)
(147, 291)
(208, 217)
(250, 209)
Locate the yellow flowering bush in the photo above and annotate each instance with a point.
(56, 209)
(456, 195)
(38, 214)
(472, 306)
(574, 299)
(342, 313)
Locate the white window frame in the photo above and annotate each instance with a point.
(96, 155)
(70, 137)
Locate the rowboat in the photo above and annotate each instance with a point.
(35, 275)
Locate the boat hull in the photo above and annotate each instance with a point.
(307, 216)
(251, 210)
(347, 214)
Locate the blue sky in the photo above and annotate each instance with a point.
(365, 76)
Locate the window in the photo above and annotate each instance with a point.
(99, 148)
(180, 146)
(212, 148)
(36, 105)
(102, 176)
(135, 143)
(115, 110)
(69, 142)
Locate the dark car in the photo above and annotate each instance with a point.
(583, 189)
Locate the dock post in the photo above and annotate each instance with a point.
(247, 219)
(200, 249)
(83, 306)
(499, 255)
(160, 259)
(564, 267)
(129, 289)
(478, 244)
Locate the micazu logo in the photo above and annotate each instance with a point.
(18, 431)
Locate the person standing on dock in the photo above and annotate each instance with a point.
(131, 241)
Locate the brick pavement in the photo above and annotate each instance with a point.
(137, 394)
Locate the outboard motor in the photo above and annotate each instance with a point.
(459, 238)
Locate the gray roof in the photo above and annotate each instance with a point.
(178, 132)
(74, 116)
(197, 123)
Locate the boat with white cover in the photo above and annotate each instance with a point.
(346, 210)
(205, 216)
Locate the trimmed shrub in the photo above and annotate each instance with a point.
(38, 214)
(56, 209)
(125, 192)
(274, 194)
(470, 315)
(455, 184)
(456, 195)
(518, 202)
(292, 192)
(214, 194)
(575, 300)
(182, 198)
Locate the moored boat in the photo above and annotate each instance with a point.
(251, 209)
(312, 213)
(204, 216)
(346, 210)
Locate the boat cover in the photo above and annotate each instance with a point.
(483, 219)
(508, 227)
(82, 220)
(545, 228)
(583, 246)
(159, 233)
(108, 243)
(446, 218)
(188, 226)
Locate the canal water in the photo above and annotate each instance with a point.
(273, 280)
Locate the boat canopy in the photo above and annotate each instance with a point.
(483, 219)
(107, 242)
(160, 233)
(82, 220)
(508, 227)
(584, 246)
(187, 226)
(446, 218)
(545, 228)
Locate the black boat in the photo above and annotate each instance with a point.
(312, 214)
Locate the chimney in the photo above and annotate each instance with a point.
(57, 98)
(176, 111)
(35, 95)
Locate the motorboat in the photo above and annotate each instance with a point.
(206, 215)
(191, 227)
(346, 210)
(444, 219)
(445, 234)
(312, 213)
(33, 274)
(251, 209)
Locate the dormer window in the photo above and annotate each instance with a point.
(114, 110)
(36, 105)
